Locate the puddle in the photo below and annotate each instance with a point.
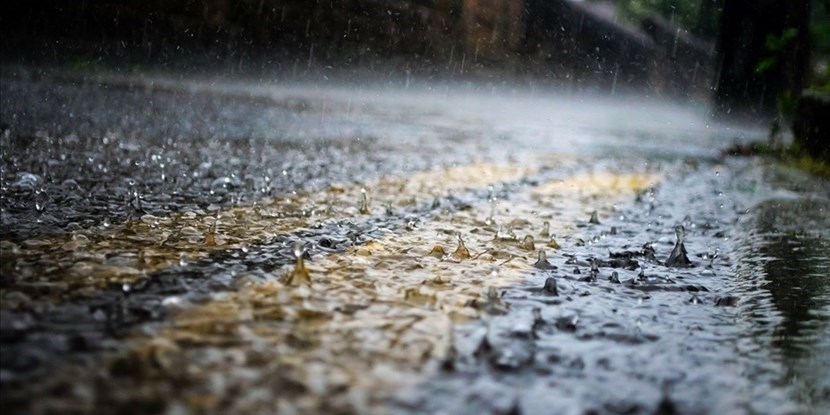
(786, 255)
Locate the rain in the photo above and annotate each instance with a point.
(414, 207)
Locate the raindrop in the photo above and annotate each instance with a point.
(550, 287)
(678, 257)
(594, 266)
(437, 252)
(528, 244)
(492, 295)
(41, 199)
(412, 224)
(542, 261)
(491, 219)
(501, 235)
(210, 236)
(712, 255)
(364, 202)
(545, 230)
(461, 252)
(299, 275)
(552, 243)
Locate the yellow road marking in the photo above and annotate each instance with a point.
(377, 316)
(88, 259)
(372, 319)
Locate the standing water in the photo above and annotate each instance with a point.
(239, 248)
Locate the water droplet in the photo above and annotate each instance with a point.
(678, 257)
(492, 295)
(679, 232)
(550, 287)
(501, 235)
(545, 229)
(364, 202)
(210, 236)
(491, 219)
(552, 243)
(461, 252)
(528, 243)
(542, 261)
(437, 252)
(299, 275)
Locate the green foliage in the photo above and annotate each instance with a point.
(820, 42)
(683, 12)
(84, 65)
(792, 155)
(820, 27)
(775, 46)
(798, 158)
(787, 104)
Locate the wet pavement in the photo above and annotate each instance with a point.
(464, 248)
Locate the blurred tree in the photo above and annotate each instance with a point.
(820, 38)
(764, 53)
(699, 16)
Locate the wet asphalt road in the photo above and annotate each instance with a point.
(114, 156)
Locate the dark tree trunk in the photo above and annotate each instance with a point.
(752, 74)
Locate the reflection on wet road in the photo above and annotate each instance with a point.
(464, 249)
